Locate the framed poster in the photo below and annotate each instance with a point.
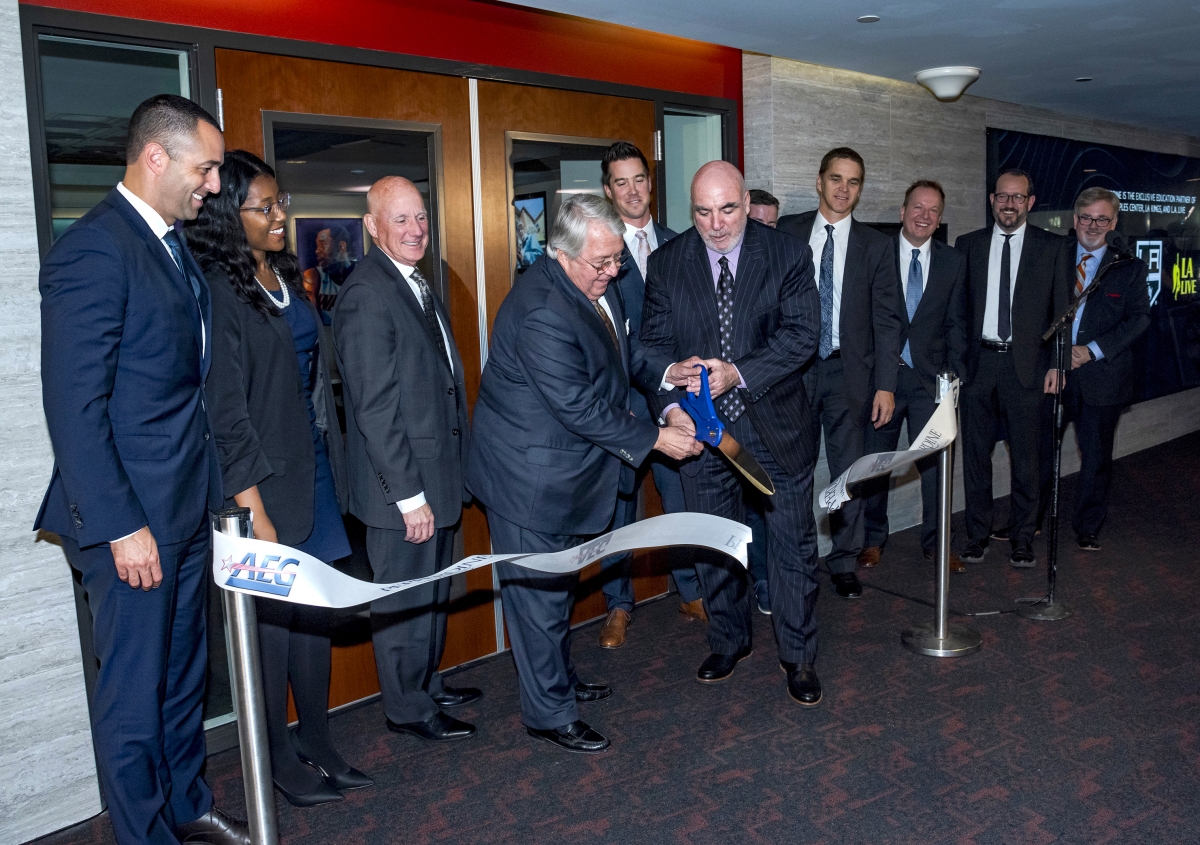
(530, 212)
(329, 248)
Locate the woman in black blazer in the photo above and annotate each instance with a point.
(281, 450)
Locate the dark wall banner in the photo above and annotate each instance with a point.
(1159, 216)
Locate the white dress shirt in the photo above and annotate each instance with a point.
(414, 502)
(990, 312)
(160, 228)
(631, 237)
(841, 240)
(906, 261)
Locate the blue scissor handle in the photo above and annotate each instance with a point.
(700, 408)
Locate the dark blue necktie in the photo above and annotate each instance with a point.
(826, 345)
(171, 239)
(912, 296)
(731, 403)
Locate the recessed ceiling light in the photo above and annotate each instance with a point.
(298, 161)
(868, 19)
(358, 171)
(1089, 170)
(1083, 79)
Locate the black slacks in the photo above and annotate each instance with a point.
(844, 444)
(914, 407)
(995, 394)
(717, 488)
(408, 629)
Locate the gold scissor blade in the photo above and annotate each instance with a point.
(745, 463)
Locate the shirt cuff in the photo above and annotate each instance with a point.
(1095, 347)
(741, 381)
(126, 537)
(411, 504)
(662, 420)
(664, 384)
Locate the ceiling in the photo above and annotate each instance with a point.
(1143, 55)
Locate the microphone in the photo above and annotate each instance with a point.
(1117, 243)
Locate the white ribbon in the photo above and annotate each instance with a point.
(937, 434)
(272, 570)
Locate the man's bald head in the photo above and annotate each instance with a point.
(720, 205)
(397, 220)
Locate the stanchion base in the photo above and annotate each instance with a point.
(1043, 611)
(959, 640)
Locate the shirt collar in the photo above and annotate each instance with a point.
(714, 257)
(405, 270)
(1097, 254)
(839, 228)
(153, 219)
(908, 248)
(1019, 234)
(632, 230)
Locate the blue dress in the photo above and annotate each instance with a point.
(327, 541)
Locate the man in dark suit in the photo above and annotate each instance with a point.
(406, 442)
(626, 177)
(126, 331)
(764, 207)
(933, 283)
(853, 381)
(553, 435)
(741, 296)
(1014, 291)
(1099, 381)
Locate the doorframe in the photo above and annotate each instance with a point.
(204, 42)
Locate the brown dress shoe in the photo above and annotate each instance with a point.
(869, 557)
(612, 635)
(693, 610)
(956, 562)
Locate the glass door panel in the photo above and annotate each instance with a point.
(690, 140)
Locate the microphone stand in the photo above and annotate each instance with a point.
(1045, 608)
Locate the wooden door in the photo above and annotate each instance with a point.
(253, 83)
(508, 112)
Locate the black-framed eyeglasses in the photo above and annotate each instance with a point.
(285, 199)
(1017, 198)
(1088, 220)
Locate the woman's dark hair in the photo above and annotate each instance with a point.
(217, 237)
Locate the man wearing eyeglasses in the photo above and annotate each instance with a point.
(1099, 379)
(1015, 288)
(554, 442)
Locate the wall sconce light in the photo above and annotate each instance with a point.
(948, 83)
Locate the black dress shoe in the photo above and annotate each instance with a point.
(803, 685)
(576, 737)
(323, 793)
(456, 696)
(214, 828)
(975, 551)
(592, 692)
(437, 728)
(350, 779)
(718, 667)
(1022, 555)
(1089, 543)
(846, 584)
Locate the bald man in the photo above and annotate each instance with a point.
(406, 441)
(742, 296)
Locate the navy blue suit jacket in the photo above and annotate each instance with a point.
(633, 291)
(123, 384)
(775, 334)
(1116, 314)
(552, 426)
(938, 331)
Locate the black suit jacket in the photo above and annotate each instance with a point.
(869, 323)
(1039, 294)
(937, 333)
(774, 337)
(552, 422)
(259, 414)
(1116, 314)
(406, 412)
(633, 291)
(123, 374)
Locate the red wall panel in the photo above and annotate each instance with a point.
(461, 30)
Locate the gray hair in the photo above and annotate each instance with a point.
(1094, 195)
(569, 232)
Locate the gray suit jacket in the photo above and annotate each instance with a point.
(406, 413)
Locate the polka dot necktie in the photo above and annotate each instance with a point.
(731, 403)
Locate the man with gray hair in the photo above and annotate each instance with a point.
(554, 441)
(1099, 380)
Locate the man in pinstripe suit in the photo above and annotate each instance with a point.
(742, 296)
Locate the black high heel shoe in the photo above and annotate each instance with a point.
(351, 779)
(323, 793)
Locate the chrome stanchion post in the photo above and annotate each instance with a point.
(941, 639)
(245, 680)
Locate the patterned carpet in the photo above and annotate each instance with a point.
(1079, 731)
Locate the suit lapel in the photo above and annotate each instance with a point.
(852, 272)
(979, 278)
(751, 272)
(406, 295)
(900, 281)
(701, 287)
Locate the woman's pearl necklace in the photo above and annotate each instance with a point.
(287, 297)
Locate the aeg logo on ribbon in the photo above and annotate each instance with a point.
(272, 576)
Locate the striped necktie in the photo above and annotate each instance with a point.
(1081, 274)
